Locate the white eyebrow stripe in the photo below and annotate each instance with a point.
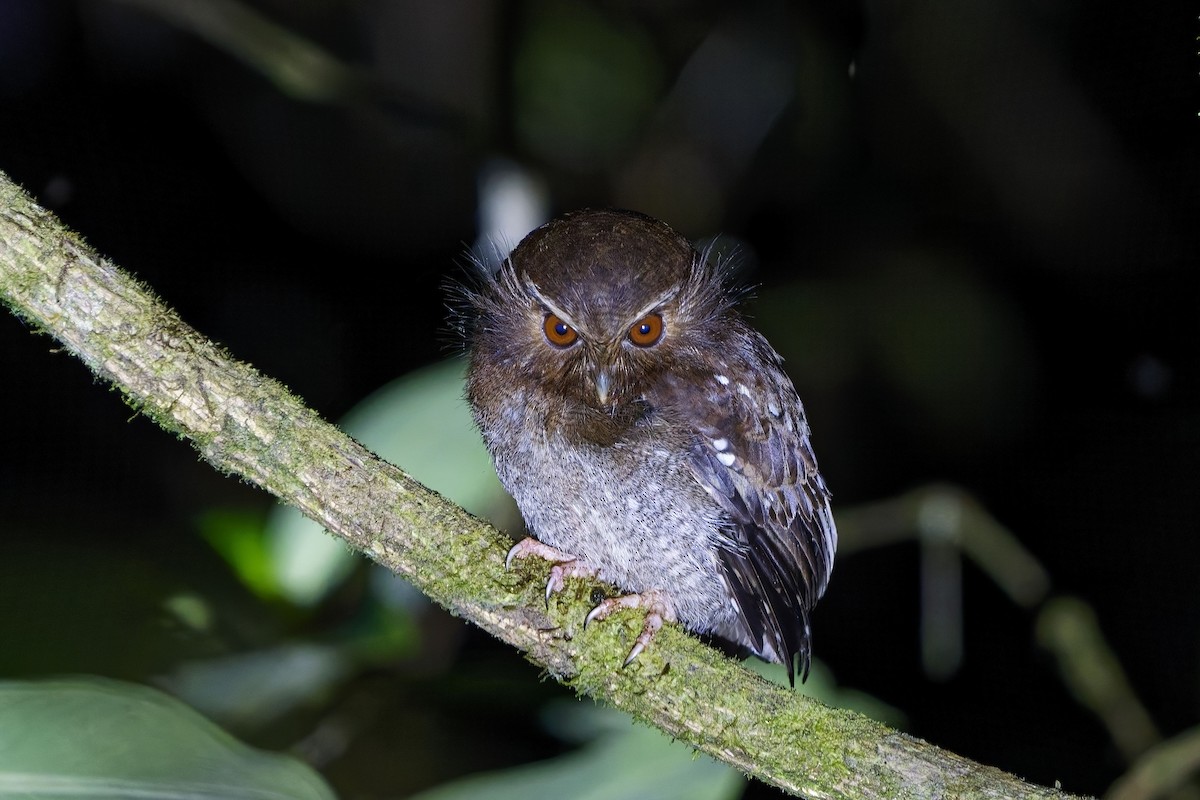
(557, 311)
(656, 302)
(547, 303)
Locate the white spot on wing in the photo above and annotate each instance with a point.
(721, 379)
(726, 458)
(773, 408)
(742, 390)
(720, 444)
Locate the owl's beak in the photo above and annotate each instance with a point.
(603, 381)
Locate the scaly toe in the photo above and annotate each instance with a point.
(659, 609)
(564, 566)
(532, 547)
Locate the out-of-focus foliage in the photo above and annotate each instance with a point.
(618, 760)
(584, 83)
(100, 739)
(420, 421)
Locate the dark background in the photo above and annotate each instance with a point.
(973, 229)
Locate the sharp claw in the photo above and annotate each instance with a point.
(512, 553)
(638, 647)
(596, 613)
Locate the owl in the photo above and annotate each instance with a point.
(649, 435)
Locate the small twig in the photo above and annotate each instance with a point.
(1162, 771)
(1068, 628)
(982, 539)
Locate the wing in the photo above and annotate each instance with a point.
(753, 455)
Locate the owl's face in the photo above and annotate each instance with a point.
(596, 306)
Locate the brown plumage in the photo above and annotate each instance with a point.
(648, 434)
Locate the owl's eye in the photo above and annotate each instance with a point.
(647, 331)
(558, 333)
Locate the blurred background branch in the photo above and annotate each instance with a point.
(295, 65)
(949, 522)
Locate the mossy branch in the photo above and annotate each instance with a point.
(248, 425)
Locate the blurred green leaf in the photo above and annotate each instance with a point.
(103, 739)
(306, 562)
(238, 537)
(249, 690)
(623, 761)
(380, 632)
(419, 422)
(584, 81)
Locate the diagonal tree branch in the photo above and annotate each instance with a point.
(248, 425)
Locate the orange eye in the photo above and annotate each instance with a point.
(558, 333)
(647, 331)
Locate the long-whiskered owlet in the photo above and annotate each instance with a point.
(649, 435)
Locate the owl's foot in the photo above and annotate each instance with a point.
(565, 564)
(659, 609)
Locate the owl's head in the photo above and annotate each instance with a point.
(597, 304)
